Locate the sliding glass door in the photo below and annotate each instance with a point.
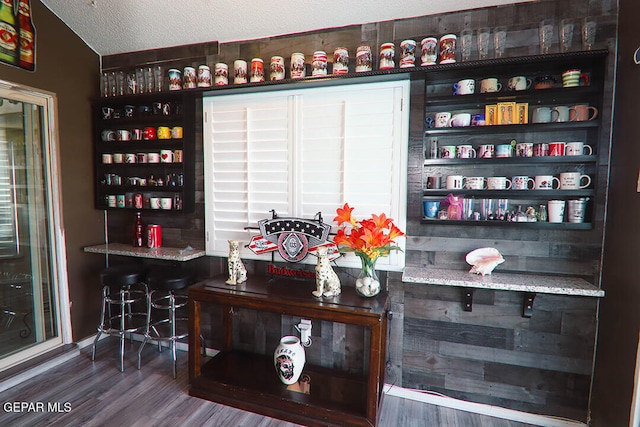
(32, 263)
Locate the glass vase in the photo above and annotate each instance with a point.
(367, 283)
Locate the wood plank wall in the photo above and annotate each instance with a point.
(492, 355)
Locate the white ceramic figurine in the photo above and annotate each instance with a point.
(237, 271)
(327, 281)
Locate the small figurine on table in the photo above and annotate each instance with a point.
(327, 281)
(237, 271)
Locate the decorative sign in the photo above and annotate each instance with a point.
(17, 34)
(293, 238)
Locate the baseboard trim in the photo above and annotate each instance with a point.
(38, 369)
(480, 408)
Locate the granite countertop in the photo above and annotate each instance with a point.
(171, 254)
(560, 285)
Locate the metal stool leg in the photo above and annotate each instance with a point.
(105, 294)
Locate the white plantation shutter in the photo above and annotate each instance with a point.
(304, 151)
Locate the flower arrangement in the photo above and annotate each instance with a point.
(369, 239)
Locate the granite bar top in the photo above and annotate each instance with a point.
(171, 254)
(560, 285)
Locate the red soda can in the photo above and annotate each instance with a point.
(154, 236)
(138, 201)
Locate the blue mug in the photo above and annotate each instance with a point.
(431, 208)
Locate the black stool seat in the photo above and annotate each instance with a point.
(169, 279)
(123, 275)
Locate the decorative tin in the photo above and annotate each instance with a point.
(257, 70)
(448, 48)
(204, 76)
(239, 71)
(297, 66)
(319, 64)
(429, 51)
(341, 61)
(221, 76)
(276, 68)
(407, 53)
(363, 59)
(175, 79)
(189, 78)
(387, 54)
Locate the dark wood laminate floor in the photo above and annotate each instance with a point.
(97, 394)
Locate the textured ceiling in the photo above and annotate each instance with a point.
(117, 26)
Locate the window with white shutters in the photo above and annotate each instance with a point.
(302, 151)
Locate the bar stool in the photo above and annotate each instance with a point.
(167, 294)
(122, 286)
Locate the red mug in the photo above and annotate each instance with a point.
(149, 133)
(556, 148)
(154, 236)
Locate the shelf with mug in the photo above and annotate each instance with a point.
(512, 160)
(498, 223)
(502, 129)
(512, 194)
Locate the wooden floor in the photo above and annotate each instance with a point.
(97, 394)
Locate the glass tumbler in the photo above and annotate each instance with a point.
(484, 35)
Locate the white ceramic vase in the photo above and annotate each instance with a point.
(289, 359)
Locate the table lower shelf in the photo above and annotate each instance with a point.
(248, 381)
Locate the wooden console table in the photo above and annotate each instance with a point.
(248, 381)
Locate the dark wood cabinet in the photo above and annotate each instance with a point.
(248, 380)
(439, 97)
(133, 161)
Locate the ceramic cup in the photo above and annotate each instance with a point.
(154, 203)
(107, 158)
(442, 119)
(108, 135)
(465, 151)
(163, 132)
(464, 87)
(544, 115)
(555, 210)
(123, 135)
(429, 51)
(475, 183)
(546, 182)
(455, 182)
(518, 83)
(118, 158)
(166, 203)
(239, 72)
(448, 152)
(522, 182)
(563, 113)
(540, 149)
(524, 149)
(431, 208)
(490, 85)
(142, 157)
(583, 112)
(153, 157)
(433, 182)
(504, 150)
(166, 156)
(574, 181)
(577, 148)
(130, 158)
(573, 77)
(556, 149)
(486, 151)
(221, 74)
(176, 132)
(448, 48)
(498, 183)
(460, 120)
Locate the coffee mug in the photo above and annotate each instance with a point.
(108, 135)
(544, 115)
(555, 209)
(577, 148)
(563, 113)
(498, 183)
(583, 112)
(149, 133)
(474, 182)
(518, 83)
(431, 208)
(107, 158)
(448, 48)
(540, 149)
(460, 120)
(521, 182)
(136, 134)
(556, 148)
(448, 152)
(129, 111)
(166, 156)
(524, 149)
(490, 85)
(464, 87)
(442, 119)
(154, 203)
(176, 132)
(120, 201)
(130, 158)
(163, 132)
(142, 157)
(166, 203)
(465, 152)
(572, 78)
(177, 156)
(478, 120)
(111, 201)
(123, 135)
(546, 182)
(118, 158)
(455, 182)
(504, 150)
(107, 113)
(153, 157)
(573, 181)
(433, 182)
(486, 151)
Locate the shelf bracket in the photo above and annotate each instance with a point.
(527, 304)
(467, 299)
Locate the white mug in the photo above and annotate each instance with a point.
(498, 183)
(166, 156)
(455, 182)
(504, 150)
(521, 182)
(448, 152)
(130, 158)
(546, 182)
(153, 157)
(166, 202)
(465, 152)
(572, 180)
(464, 87)
(490, 85)
(154, 203)
(474, 183)
(460, 120)
(442, 119)
(524, 149)
(577, 148)
(555, 210)
(486, 151)
(518, 83)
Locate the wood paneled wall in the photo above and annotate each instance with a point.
(492, 355)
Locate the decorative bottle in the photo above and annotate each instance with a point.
(138, 232)
(27, 37)
(289, 359)
(8, 33)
